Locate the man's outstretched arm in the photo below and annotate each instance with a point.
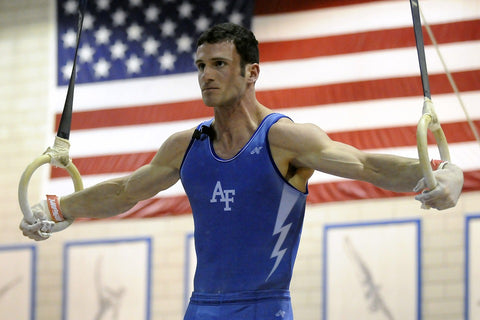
(114, 196)
(308, 146)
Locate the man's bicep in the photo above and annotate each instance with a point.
(164, 169)
(317, 151)
(150, 179)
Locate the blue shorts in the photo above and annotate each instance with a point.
(262, 305)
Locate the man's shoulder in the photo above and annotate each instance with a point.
(284, 127)
(287, 134)
(178, 142)
(183, 136)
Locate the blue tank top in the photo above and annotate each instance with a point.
(247, 217)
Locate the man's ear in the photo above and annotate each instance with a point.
(253, 71)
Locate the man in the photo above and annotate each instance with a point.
(245, 172)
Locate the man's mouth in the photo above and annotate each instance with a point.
(208, 89)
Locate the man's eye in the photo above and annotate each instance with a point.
(220, 63)
(200, 66)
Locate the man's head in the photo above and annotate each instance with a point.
(227, 64)
(243, 39)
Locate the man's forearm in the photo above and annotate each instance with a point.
(103, 200)
(394, 173)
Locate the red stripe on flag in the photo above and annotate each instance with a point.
(318, 193)
(367, 90)
(107, 164)
(381, 138)
(276, 99)
(366, 41)
(138, 115)
(358, 190)
(361, 139)
(264, 7)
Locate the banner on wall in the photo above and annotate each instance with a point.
(349, 66)
(18, 282)
(364, 278)
(472, 278)
(107, 279)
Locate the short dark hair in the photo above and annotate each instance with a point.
(243, 39)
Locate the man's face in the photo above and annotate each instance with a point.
(219, 74)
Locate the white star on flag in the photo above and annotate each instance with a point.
(127, 39)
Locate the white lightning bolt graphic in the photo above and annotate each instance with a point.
(287, 201)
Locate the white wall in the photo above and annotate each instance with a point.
(26, 64)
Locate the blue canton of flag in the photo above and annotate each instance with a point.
(138, 38)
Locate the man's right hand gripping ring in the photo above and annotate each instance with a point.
(57, 156)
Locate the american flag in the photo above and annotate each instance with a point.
(349, 66)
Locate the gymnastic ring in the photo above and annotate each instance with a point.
(25, 180)
(429, 121)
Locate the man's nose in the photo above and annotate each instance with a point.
(207, 73)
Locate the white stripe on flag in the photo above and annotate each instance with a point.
(366, 66)
(359, 18)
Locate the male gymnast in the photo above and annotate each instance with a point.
(245, 173)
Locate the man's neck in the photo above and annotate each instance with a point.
(235, 126)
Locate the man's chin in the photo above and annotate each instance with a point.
(208, 102)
